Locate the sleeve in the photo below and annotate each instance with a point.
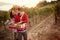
(25, 18)
(6, 22)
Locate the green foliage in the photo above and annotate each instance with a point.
(46, 10)
(3, 17)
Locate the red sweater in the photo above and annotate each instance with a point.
(17, 19)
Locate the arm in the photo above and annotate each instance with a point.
(25, 18)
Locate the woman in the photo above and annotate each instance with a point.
(13, 14)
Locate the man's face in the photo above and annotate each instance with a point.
(18, 11)
(21, 12)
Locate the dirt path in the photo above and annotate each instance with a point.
(37, 26)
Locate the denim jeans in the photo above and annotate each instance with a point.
(22, 33)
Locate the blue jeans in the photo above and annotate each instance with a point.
(22, 33)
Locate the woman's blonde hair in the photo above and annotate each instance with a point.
(16, 7)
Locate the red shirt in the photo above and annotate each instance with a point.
(16, 19)
(24, 20)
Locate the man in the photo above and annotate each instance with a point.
(23, 30)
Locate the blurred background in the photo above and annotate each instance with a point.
(44, 18)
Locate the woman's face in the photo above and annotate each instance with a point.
(14, 12)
